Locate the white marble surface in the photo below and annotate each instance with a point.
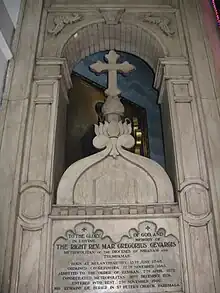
(184, 78)
(105, 180)
(120, 248)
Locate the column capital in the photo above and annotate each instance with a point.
(48, 68)
(171, 68)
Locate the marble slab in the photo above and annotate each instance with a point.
(144, 258)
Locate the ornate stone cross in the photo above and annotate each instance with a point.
(112, 67)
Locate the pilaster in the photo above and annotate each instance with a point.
(45, 138)
(177, 95)
(201, 48)
(13, 114)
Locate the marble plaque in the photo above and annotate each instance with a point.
(146, 259)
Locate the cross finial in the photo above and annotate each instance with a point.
(112, 67)
(113, 109)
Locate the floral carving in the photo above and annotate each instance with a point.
(61, 21)
(162, 22)
(114, 134)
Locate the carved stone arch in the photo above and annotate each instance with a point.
(98, 36)
(145, 44)
(132, 38)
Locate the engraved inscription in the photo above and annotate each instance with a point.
(144, 260)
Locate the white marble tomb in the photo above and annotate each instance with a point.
(114, 212)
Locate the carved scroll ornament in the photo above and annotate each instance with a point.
(162, 22)
(61, 21)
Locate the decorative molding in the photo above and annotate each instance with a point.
(183, 91)
(193, 213)
(53, 69)
(114, 210)
(162, 22)
(61, 21)
(112, 16)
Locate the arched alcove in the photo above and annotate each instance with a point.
(124, 37)
(111, 175)
(139, 99)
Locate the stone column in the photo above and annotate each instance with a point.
(177, 97)
(45, 138)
